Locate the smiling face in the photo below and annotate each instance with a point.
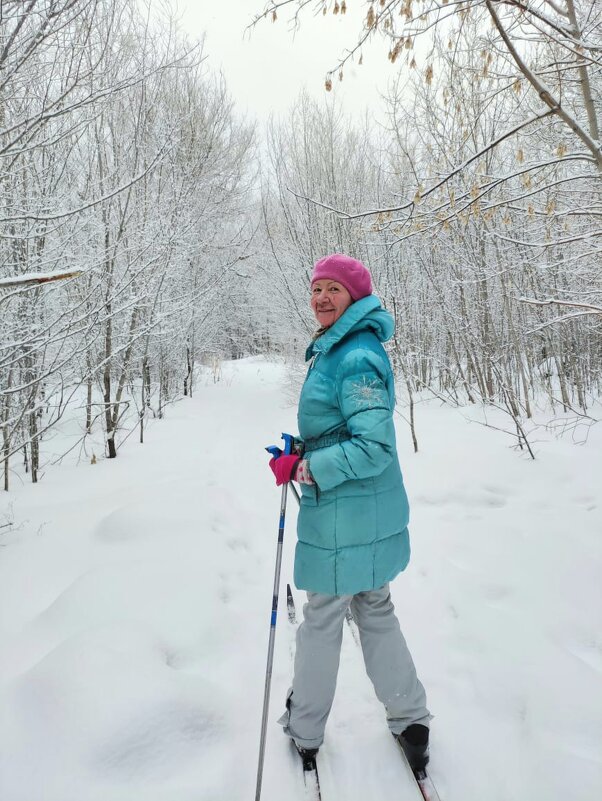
(329, 299)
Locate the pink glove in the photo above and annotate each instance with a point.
(284, 467)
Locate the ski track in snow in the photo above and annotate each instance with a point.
(134, 614)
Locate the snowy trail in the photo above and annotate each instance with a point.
(134, 614)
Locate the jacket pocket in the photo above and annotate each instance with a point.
(309, 494)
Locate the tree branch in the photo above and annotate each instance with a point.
(544, 92)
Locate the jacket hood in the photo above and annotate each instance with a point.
(366, 314)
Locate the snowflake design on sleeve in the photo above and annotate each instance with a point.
(366, 393)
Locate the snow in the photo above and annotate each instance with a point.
(135, 599)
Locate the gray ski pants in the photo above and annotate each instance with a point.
(386, 656)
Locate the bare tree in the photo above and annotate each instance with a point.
(491, 202)
(124, 160)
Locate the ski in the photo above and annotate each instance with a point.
(422, 778)
(311, 777)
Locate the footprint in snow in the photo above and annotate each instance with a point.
(237, 544)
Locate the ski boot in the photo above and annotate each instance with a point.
(414, 742)
(308, 756)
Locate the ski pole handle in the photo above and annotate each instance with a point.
(288, 443)
(276, 452)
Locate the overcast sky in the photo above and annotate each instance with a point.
(266, 67)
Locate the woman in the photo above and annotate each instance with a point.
(352, 525)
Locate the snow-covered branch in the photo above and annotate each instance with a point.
(587, 308)
(35, 279)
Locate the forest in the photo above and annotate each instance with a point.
(148, 228)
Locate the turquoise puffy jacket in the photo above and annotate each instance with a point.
(352, 525)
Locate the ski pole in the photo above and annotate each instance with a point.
(288, 446)
(296, 494)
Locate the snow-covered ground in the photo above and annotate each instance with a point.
(135, 598)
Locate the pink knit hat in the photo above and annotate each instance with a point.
(349, 272)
